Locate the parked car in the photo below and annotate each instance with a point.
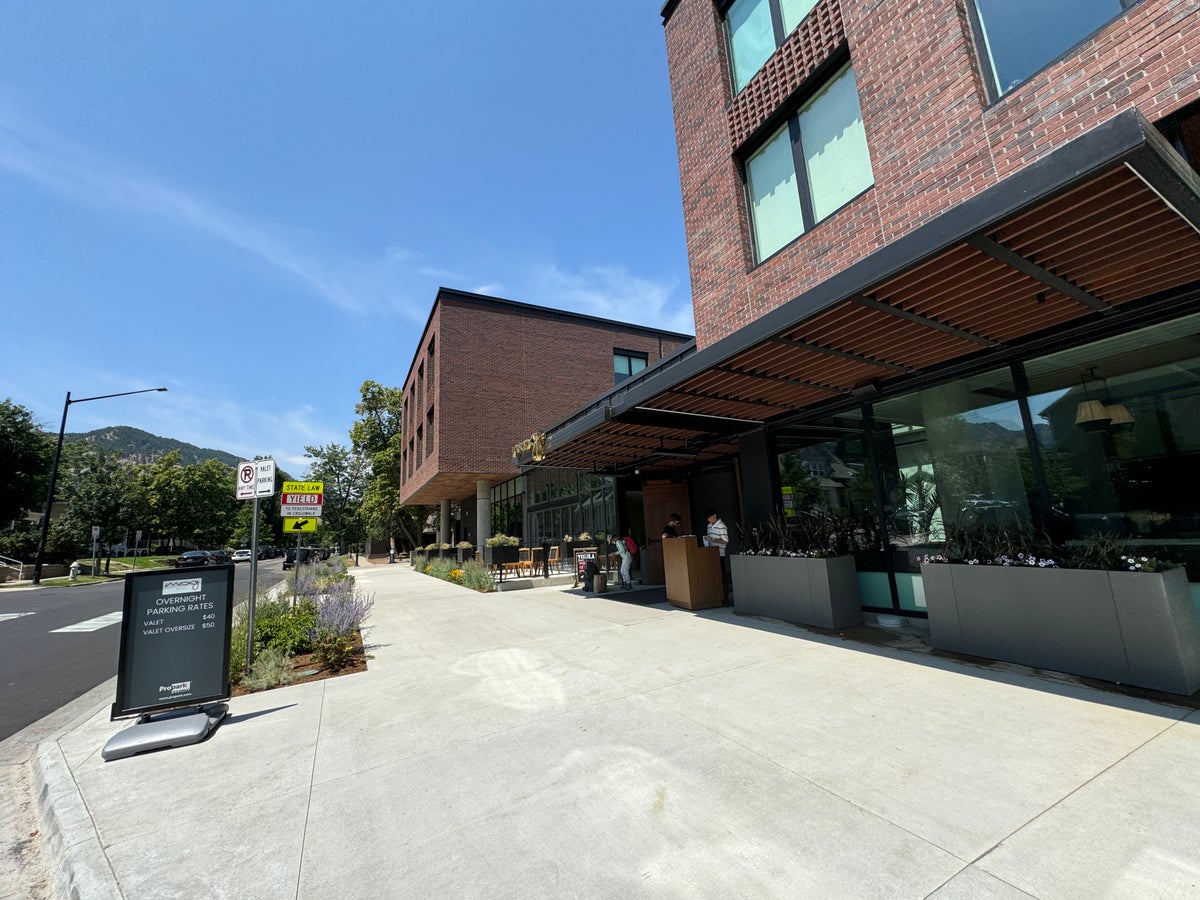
(296, 555)
(242, 556)
(218, 557)
(191, 558)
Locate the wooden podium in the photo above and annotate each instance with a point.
(693, 574)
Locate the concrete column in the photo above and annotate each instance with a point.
(483, 512)
(444, 523)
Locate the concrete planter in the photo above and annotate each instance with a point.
(1129, 627)
(821, 592)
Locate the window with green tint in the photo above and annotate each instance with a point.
(835, 147)
(774, 197)
(751, 38)
(626, 363)
(1020, 37)
(794, 12)
(809, 169)
(756, 28)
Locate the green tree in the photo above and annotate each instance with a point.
(96, 488)
(376, 437)
(25, 454)
(343, 472)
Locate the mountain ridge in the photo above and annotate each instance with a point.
(137, 446)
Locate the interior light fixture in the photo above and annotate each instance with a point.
(1091, 415)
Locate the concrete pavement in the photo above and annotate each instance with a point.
(546, 742)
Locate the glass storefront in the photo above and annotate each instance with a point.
(568, 501)
(1099, 439)
(1103, 438)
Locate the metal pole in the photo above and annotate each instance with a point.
(253, 587)
(296, 569)
(41, 550)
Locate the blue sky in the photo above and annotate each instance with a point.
(254, 204)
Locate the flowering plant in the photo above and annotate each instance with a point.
(1016, 544)
(583, 536)
(502, 540)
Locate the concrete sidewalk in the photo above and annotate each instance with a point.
(547, 742)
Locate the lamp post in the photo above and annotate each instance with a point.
(62, 430)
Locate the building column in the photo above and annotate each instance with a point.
(483, 512)
(444, 523)
(760, 478)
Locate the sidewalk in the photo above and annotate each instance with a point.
(546, 742)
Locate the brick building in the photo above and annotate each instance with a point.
(487, 372)
(945, 262)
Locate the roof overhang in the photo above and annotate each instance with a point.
(456, 486)
(1093, 230)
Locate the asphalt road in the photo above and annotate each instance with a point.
(42, 669)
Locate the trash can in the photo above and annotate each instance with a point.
(601, 583)
(591, 572)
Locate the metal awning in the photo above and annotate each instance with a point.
(1110, 219)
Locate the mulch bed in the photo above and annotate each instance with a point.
(306, 670)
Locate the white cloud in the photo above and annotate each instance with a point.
(35, 154)
(612, 292)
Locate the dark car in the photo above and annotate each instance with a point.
(192, 558)
(218, 557)
(296, 555)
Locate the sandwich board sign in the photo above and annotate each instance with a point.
(174, 653)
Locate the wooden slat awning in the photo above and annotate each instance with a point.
(1106, 221)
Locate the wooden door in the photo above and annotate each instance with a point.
(659, 500)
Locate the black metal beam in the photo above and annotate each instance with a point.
(880, 306)
(1010, 258)
(798, 382)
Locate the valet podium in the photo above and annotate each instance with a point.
(693, 574)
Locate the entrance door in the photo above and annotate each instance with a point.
(660, 499)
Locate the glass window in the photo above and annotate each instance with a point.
(1020, 37)
(835, 147)
(751, 38)
(774, 198)
(794, 12)
(626, 363)
(753, 32)
(829, 137)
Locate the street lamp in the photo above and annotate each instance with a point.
(62, 430)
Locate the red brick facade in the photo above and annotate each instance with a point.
(935, 136)
(501, 371)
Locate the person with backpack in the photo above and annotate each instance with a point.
(627, 549)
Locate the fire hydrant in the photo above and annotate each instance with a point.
(74, 570)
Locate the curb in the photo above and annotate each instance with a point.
(79, 865)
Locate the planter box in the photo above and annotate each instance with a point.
(493, 556)
(464, 554)
(1129, 627)
(821, 592)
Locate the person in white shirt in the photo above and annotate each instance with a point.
(718, 536)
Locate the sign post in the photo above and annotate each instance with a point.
(256, 478)
(95, 537)
(174, 653)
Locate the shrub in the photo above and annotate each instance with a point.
(502, 540)
(279, 626)
(333, 651)
(271, 668)
(464, 545)
(237, 649)
(477, 576)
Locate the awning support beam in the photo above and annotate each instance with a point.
(996, 250)
(843, 354)
(880, 306)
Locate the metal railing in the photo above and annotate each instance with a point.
(7, 563)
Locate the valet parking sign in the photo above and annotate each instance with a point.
(174, 639)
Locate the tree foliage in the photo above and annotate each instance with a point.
(343, 472)
(376, 436)
(25, 456)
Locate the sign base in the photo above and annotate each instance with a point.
(176, 728)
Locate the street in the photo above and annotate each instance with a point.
(57, 643)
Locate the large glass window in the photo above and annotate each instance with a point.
(569, 501)
(810, 168)
(1020, 37)
(756, 28)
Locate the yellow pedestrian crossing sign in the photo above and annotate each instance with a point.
(290, 526)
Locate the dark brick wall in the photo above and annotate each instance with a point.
(934, 136)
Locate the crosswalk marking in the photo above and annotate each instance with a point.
(91, 624)
(6, 616)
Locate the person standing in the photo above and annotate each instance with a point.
(718, 536)
(627, 548)
(671, 529)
